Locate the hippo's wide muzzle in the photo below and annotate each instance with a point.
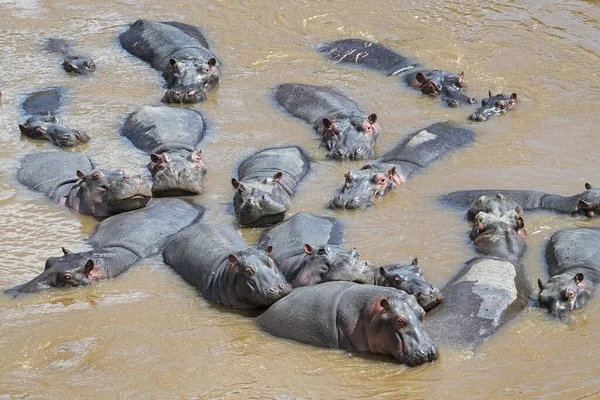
(184, 95)
(79, 64)
(128, 193)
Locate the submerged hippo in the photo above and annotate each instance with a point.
(345, 131)
(118, 242)
(180, 51)
(219, 263)
(43, 123)
(494, 105)
(72, 180)
(78, 64)
(349, 316)
(412, 154)
(586, 203)
(573, 258)
(171, 137)
(266, 182)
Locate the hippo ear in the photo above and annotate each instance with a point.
(173, 61)
(235, 183)
(385, 304)
(415, 262)
(269, 249)
(89, 267)
(327, 123)
(80, 174)
(540, 284)
(96, 175)
(277, 176)
(154, 157)
(212, 62)
(500, 196)
(197, 156)
(490, 93)
(513, 96)
(420, 77)
(383, 272)
(307, 248)
(233, 260)
(520, 223)
(23, 129)
(462, 75)
(588, 186)
(484, 102)
(584, 205)
(578, 278)
(372, 118)
(65, 251)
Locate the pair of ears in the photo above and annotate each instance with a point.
(578, 278)
(239, 185)
(328, 124)
(248, 271)
(513, 96)
(211, 62)
(89, 265)
(155, 157)
(397, 278)
(95, 175)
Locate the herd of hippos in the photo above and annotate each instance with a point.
(338, 301)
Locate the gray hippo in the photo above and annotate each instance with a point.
(586, 203)
(412, 154)
(74, 63)
(266, 182)
(219, 263)
(180, 51)
(72, 180)
(345, 131)
(171, 137)
(379, 58)
(117, 243)
(573, 258)
(494, 105)
(43, 123)
(349, 316)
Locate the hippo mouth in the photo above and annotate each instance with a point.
(416, 357)
(187, 182)
(184, 95)
(353, 154)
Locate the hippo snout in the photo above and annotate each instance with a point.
(477, 117)
(421, 356)
(355, 203)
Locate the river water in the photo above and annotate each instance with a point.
(148, 334)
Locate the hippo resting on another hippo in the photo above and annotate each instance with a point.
(344, 129)
(180, 51)
(78, 64)
(308, 251)
(117, 243)
(266, 182)
(171, 136)
(379, 58)
(349, 316)
(586, 203)
(43, 123)
(219, 263)
(573, 258)
(412, 154)
(72, 180)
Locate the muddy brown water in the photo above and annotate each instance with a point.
(147, 334)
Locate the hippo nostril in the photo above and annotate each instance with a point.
(281, 286)
(271, 290)
(125, 177)
(471, 100)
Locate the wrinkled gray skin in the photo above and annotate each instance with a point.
(171, 136)
(266, 182)
(349, 316)
(345, 131)
(44, 124)
(494, 105)
(412, 154)
(72, 180)
(78, 64)
(497, 205)
(573, 258)
(586, 203)
(180, 51)
(117, 243)
(219, 263)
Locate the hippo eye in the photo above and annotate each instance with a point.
(67, 277)
(400, 321)
(321, 251)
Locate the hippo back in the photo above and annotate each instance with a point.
(189, 30)
(42, 102)
(577, 247)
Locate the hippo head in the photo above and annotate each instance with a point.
(564, 293)
(70, 270)
(191, 77)
(497, 205)
(349, 138)
(177, 173)
(494, 105)
(260, 203)
(396, 328)
(432, 87)
(589, 202)
(257, 280)
(49, 127)
(499, 235)
(79, 64)
(329, 263)
(491, 224)
(409, 278)
(362, 186)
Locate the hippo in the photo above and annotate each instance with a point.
(585, 204)
(171, 137)
(499, 236)
(345, 131)
(494, 105)
(219, 263)
(440, 83)
(74, 63)
(118, 243)
(180, 51)
(44, 124)
(72, 180)
(497, 205)
(573, 258)
(265, 184)
(350, 316)
(412, 154)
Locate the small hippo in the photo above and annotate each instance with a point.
(585, 204)
(180, 51)
(440, 83)
(349, 316)
(171, 136)
(219, 263)
(77, 64)
(573, 258)
(266, 182)
(72, 180)
(412, 154)
(345, 131)
(494, 105)
(117, 243)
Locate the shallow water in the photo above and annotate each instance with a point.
(147, 333)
